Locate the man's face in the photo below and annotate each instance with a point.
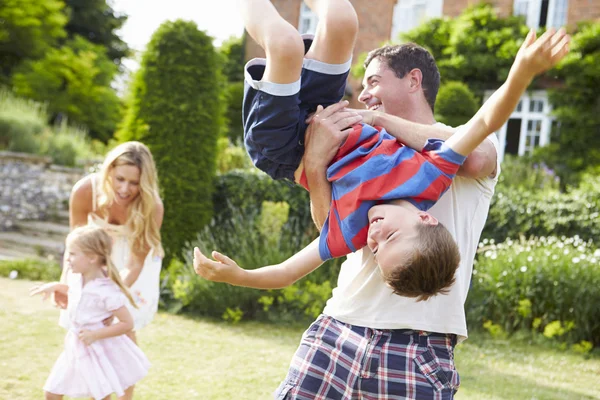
(384, 91)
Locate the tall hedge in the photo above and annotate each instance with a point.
(175, 108)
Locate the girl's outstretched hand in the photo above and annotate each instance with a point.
(221, 269)
(46, 290)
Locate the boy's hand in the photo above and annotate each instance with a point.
(224, 269)
(45, 290)
(537, 56)
(87, 337)
(368, 116)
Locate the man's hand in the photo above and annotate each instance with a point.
(224, 269)
(327, 130)
(537, 56)
(88, 337)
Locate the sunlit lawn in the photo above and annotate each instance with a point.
(203, 359)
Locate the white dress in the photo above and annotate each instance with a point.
(146, 289)
(106, 366)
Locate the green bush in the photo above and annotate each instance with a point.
(516, 212)
(525, 173)
(21, 122)
(545, 284)
(253, 239)
(66, 145)
(455, 104)
(235, 96)
(245, 191)
(176, 109)
(34, 269)
(231, 157)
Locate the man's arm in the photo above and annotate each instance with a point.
(481, 163)
(327, 130)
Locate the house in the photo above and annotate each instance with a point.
(381, 20)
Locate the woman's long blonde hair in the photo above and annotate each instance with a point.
(145, 233)
(92, 239)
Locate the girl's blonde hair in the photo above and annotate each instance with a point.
(145, 232)
(91, 239)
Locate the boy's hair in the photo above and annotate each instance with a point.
(404, 58)
(430, 269)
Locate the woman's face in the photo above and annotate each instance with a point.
(125, 183)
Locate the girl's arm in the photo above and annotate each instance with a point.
(224, 269)
(48, 289)
(138, 256)
(124, 325)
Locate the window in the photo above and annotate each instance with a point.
(308, 20)
(528, 127)
(542, 13)
(408, 14)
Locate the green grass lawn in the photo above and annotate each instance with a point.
(203, 359)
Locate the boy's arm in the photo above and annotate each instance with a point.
(533, 58)
(224, 269)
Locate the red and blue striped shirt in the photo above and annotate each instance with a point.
(372, 167)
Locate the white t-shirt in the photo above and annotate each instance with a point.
(362, 298)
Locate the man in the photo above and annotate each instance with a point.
(369, 343)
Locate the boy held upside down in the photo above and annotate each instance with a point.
(380, 189)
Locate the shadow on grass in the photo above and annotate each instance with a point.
(489, 383)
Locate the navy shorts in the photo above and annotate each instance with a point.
(338, 361)
(274, 114)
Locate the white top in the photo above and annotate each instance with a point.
(362, 298)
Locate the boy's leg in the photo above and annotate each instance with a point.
(281, 42)
(336, 31)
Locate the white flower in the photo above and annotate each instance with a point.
(530, 259)
(566, 252)
(13, 274)
(575, 260)
(523, 268)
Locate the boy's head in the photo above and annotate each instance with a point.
(399, 78)
(417, 255)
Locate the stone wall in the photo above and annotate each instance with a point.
(31, 188)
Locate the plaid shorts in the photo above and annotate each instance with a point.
(342, 361)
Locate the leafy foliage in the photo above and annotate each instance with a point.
(477, 48)
(455, 104)
(96, 21)
(232, 51)
(542, 284)
(175, 109)
(28, 29)
(35, 269)
(574, 145)
(74, 81)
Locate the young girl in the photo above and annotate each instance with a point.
(97, 360)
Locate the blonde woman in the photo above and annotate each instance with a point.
(123, 199)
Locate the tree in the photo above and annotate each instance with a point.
(232, 53)
(74, 81)
(28, 28)
(477, 48)
(455, 104)
(96, 21)
(574, 145)
(175, 108)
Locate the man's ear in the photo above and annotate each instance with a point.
(427, 219)
(415, 77)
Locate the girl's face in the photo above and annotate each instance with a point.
(80, 262)
(125, 183)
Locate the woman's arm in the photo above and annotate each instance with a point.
(138, 256)
(224, 269)
(124, 325)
